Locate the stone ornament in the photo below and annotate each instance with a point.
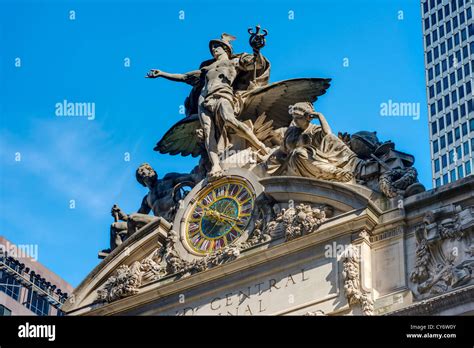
(351, 275)
(445, 251)
(297, 221)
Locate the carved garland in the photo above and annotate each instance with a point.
(164, 261)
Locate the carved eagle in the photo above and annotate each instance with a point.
(273, 100)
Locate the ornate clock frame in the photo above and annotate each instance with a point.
(181, 224)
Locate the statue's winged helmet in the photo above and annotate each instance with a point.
(224, 41)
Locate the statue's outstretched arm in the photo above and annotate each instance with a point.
(189, 77)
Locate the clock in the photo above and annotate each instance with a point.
(218, 215)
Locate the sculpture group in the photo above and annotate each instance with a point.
(236, 118)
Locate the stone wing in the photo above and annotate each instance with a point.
(181, 138)
(275, 98)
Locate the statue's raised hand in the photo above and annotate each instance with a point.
(117, 213)
(315, 114)
(153, 74)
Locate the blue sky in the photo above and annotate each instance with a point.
(82, 60)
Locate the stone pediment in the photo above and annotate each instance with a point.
(146, 261)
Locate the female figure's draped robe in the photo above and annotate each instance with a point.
(312, 153)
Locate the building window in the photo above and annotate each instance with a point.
(451, 157)
(461, 92)
(452, 175)
(9, 285)
(445, 179)
(464, 128)
(448, 119)
(446, 102)
(435, 146)
(468, 167)
(37, 304)
(458, 153)
(441, 123)
(466, 149)
(444, 161)
(431, 92)
(434, 127)
(457, 133)
(460, 172)
(4, 311)
(436, 165)
(458, 55)
(455, 114)
(441, 34)
(438, 182)
(450, 138)
(429, 57)
(471, 124)
(442, 142)
(454, 96)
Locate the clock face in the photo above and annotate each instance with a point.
(218, 216)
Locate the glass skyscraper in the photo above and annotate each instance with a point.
(448, 33)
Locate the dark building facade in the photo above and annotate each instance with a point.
(26, 286)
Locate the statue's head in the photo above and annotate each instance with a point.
(146, 175)
(302, 113)
(222, 46)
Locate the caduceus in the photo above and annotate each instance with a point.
(257, 42)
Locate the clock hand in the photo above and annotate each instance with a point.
(227, 217)
(220, 217)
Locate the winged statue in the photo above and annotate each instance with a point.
(233, 106)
